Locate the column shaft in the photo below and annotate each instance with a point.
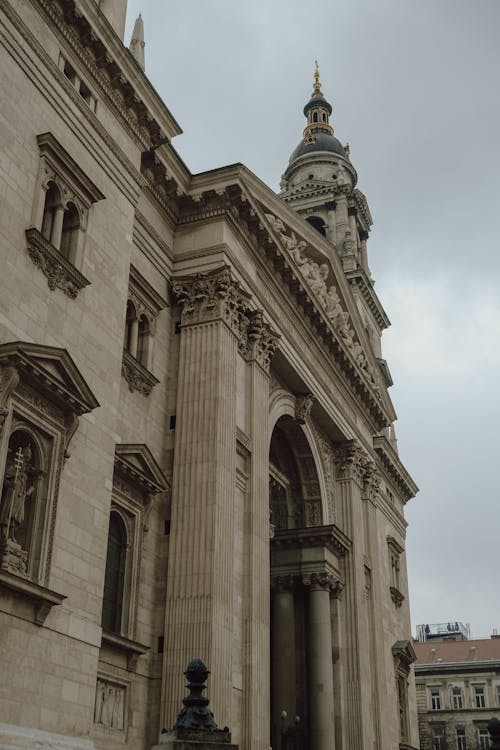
(56, 231)
(283, 658)
(321, 670)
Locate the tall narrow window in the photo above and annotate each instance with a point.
(457, 696)
(70, 230)
(435, 699)
(438, 738)
(479, 697)
(484, 739)
(114, 578)
(143, 340)
(52, 201)
(461, 739)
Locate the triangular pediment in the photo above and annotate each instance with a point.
(404, 651)
(52, 372)
(136, 464)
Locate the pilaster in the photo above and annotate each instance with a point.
(351, 463)
(199, 584)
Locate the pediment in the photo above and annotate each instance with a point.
(404, 651)
(135, 463)
(52, 372)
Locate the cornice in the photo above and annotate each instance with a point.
(396, 471)
(329, 536)
(109, 68)
(362, 205)
(359, 279)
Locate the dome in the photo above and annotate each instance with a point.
(322, 142)
(317, 101)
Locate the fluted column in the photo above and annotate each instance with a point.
(351, 462)
(283, 652)
(257, 346)
(319, 649)
(199, 607)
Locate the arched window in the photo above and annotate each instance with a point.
(52, 201)
(315, 117)
(70, 229)
(143, 340)
(114, 578)
(318, 223)
(130, 339)
(324, 117)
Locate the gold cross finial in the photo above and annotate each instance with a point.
(317, 84)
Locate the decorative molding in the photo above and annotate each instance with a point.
(392, 465)
(9, 378)
(316, 275)
(352, 461)
(330, 537)
(145, 299)
(60, 272)
(303, 406)
(132, 649)
(58, 162)
(137, 377)
(396, 596)
(405, 655)
(359, 279)
(259, 341)
(43, 598)
(137, 468)
(322, 581)
(212, 296)
(395, 546)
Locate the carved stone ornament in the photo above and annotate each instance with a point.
(137, 376)
(212, 296)
(327, 297)
(396, 596)
(303, 406)
(351, 461)
(258, 341)
(109, 710)
(60, 273)
(9, 378)
(320, 581)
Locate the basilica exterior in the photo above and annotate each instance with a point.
(197, 449)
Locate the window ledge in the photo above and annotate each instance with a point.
(43, 598)
(396, 596)
(59, 271)
(132, 649)
(137, 377)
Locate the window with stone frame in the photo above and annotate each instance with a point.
(457, 696)
(63, 198)
(479, 696)
(395, 550)
(404, 656)
(483, 738)
(137, 479)
(143, 306)
(438, 738)
(461, 739)
(42, 395)
(435, 699)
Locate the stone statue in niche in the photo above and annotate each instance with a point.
(18, 487)
(109, 704)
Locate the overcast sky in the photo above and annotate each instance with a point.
(414, 86)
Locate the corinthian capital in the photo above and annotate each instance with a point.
(322, 581)
(352, 461)
(260, 341)
(212, 296)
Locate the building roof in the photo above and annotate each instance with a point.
(454, 652)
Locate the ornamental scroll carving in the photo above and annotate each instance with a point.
(316, 277)
(217, 296)
(303, 406)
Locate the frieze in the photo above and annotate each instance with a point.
(60, 273)
(327, 296)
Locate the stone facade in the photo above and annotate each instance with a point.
(458, 692)
(197, 454)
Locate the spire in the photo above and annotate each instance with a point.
(317, 111)
(137, 42)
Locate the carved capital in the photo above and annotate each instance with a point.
(9, 378)
(303, 406)
(351, 461)
(371, 481)
(259, 341)
(320, 581)
(212, 296)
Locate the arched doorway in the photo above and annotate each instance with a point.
(295, 509)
